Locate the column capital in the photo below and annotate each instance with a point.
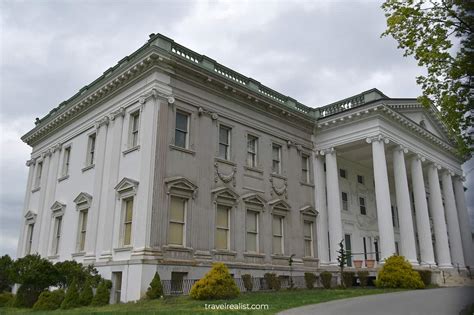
(120, 112)
(57, 147)
(435, 165)
(378, 137)
(327, 151)
(445, 171)
(46, 153)
(104, 121)
(401, 148)
(154, 93)
(30, 162)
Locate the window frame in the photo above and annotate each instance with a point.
(134, 130)
(361, 179)
(184, 224)
(279, 160)
(281, 237)
(186, 132)
(256, 233)
(57, 234)
(343, 173)
(30, 229)
(311, 238)
(253, 155)
(362, 205)
(227, 229)
(124, 222)
(66, 163)
(38, 174)
(226, 145)
(305, 168)
(344, 203)
(91, 147)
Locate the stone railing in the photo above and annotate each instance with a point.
(230, 74)
(185, 53)
(341, 106)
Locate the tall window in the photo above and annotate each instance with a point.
(252, 143)
(181, 135)
(363, 210)
(342, 173)
(29, 238)
(57, 234)
(276, 158)
(360, 179)
(82, 229)
(347, 239)
(39, 170)
(224, 142)
(277, 229)
(308, 238)
(134, 124)
(252, 231)
(66, 158)
(177, 227)
(117, 284)
(345, 205)
(223, 227)
(91, 150)
(305, 168)
(127, 222)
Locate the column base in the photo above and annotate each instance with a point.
(413, 262)
(428, 264)
(445, 266)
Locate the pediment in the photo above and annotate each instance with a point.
(58, 206)
(279, 204)
(181, 184)
(309, 210)
(254, 199)
(30, 216)
(126, 184)
(83, 199)
(225, 193)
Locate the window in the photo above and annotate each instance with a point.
(57, 234)
(252, 143)
(345, 204)
(39, 170)
(224, 142)
(342, 173)
(277, 228)
(127, 222)
(365, 247)
(117, 284)
(223, 227)
(363, 210)
(29, 238)
(177, 279)
(308, 238)
(91, 150)
(305, 168)
(252, 231)
(181, 136)
(176, 231)
(276, 158)
(347, 239)
(66, 158)
(360, 179)
(134, 124)
(82, 229)
(397, 249)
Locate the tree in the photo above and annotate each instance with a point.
(6, 277)
(439, 34)
(71, 300)
(155, 290)
(86, 295)
(69, 270)
(342, 259)
(102, 295)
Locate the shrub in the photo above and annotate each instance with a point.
(70, 270)
(216, 284)
(273, 282)
(86, 295)
(425, 276)
(102, 295)
(49, 300)
(6, 275)
(248, 283)
(71, 300)
(363, 278)
(398, 273)
(310, 279)
(26, 296)
(6, 299)
(155, 290)
(326, 278)
(348, 278)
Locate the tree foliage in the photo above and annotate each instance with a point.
(71, 300)
(155, 290)
(86, 295)
(397, 272)
(69, 270)
(49, 300)
(102, 295)
(6, 276)
(439, 35)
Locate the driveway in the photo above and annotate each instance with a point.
(443, 301)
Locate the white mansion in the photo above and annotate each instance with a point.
(170, 161)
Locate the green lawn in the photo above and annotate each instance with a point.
(277, 301)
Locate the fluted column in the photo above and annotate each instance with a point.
(465, 227)
(334, 204)
(421, 209)
(443, 257)
(320, 202)
(407, 234)
(382, 197)
(455, 242)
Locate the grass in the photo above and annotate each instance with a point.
(277, 301)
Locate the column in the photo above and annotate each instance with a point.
(38, 230)
(421, 213)
(463, 216)
(455, 243)
(407, 234)
(334, 204)
(443, 257)
(382, 198)
(320, 203)
(31, 170)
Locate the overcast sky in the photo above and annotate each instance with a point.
(315, 52)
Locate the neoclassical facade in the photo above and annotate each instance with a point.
(171, 161)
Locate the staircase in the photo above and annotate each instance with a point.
(453, 278)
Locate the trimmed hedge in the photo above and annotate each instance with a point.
(363, 276)
(326, 278)
(49, 300)
(86, 295)
(309, 279)
(71, 300)
(397, 272)
(102, 296)
(272, 281)
(6, 299)
(248, 283)
(348, 278)
(216, 284)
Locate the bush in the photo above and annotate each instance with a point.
(326, 278)
(70, 270)
(26, 296)
(86, 295)
(425, 276)
(155, 290)
(6, 275)
(398, 273)
(102, 296)
(348, 278)
(71, 300)
(6, 299)
(272, 281)
(363, 278)
(310, 278)
(216, 284)
(49, 300)
(248, 283)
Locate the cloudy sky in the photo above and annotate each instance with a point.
(315, 51)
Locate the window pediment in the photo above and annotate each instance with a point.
(225, 195)
(58, 208)
(83, 200)
(309, 210)
(127, 185)
(279, 205)
(180, 185)
(253, 200)
(30, 216)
